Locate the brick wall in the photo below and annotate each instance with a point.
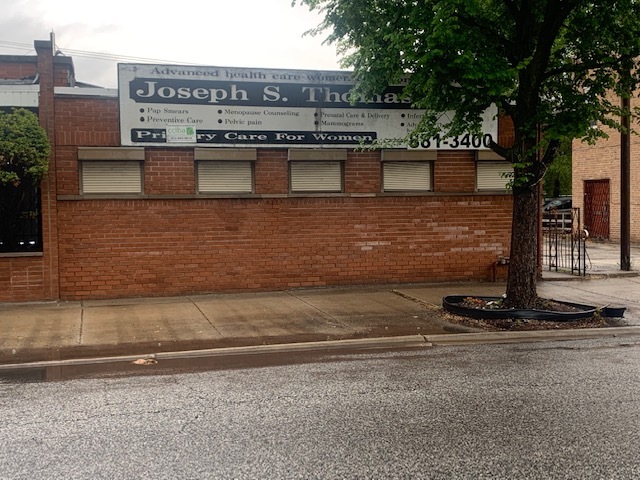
(62, 72)
(602, 162)
(271, 172)
(111, 248)
(87, 121)
(169, 172)
(17, 68)
(455, 172)
(362, 172)
(82, 121)
(22, 278)
(48, 186)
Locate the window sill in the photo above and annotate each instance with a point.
(254, 196)
(20, 254)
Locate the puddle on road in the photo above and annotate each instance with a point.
(193, 364)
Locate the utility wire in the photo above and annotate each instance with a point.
(94, 55)
(16, 46)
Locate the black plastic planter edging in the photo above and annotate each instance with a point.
(451, 303)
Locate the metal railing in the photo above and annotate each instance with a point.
(563, 240)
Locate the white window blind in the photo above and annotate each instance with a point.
(316, 176)
(225, 177)
(111, 177)
(491, 175)
(406, 176)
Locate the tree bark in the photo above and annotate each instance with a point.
(521, 283)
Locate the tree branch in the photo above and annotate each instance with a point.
(550, 153)
(589, 65)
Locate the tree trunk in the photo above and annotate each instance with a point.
(521, 282)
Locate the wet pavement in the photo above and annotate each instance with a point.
(553, 410)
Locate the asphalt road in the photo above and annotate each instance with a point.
(537, 410)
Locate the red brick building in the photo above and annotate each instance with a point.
(596, 184)
(175, 216)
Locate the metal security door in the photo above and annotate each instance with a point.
(596, 208)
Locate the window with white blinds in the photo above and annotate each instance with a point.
(493, 175)
(225, 177)
(111, 176)
(406, 176)
(315, 176)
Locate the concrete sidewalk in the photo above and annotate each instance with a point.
(64, 330)
(52, 331)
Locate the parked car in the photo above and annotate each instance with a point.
(560, 203)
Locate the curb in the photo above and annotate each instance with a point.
(529, 336)
(406, 341)
(567, 277)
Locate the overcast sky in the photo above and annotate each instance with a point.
(229, 33)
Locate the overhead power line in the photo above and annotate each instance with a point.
(16, 46)
(94, 55)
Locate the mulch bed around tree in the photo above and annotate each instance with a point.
(595, 321)
(496, 325)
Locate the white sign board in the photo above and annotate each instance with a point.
(25, 96)
(235, 107)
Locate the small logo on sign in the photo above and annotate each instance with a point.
(181, 134)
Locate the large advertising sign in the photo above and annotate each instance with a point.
(236, 107)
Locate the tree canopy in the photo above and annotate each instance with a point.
(24, 148)
(555, 67)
